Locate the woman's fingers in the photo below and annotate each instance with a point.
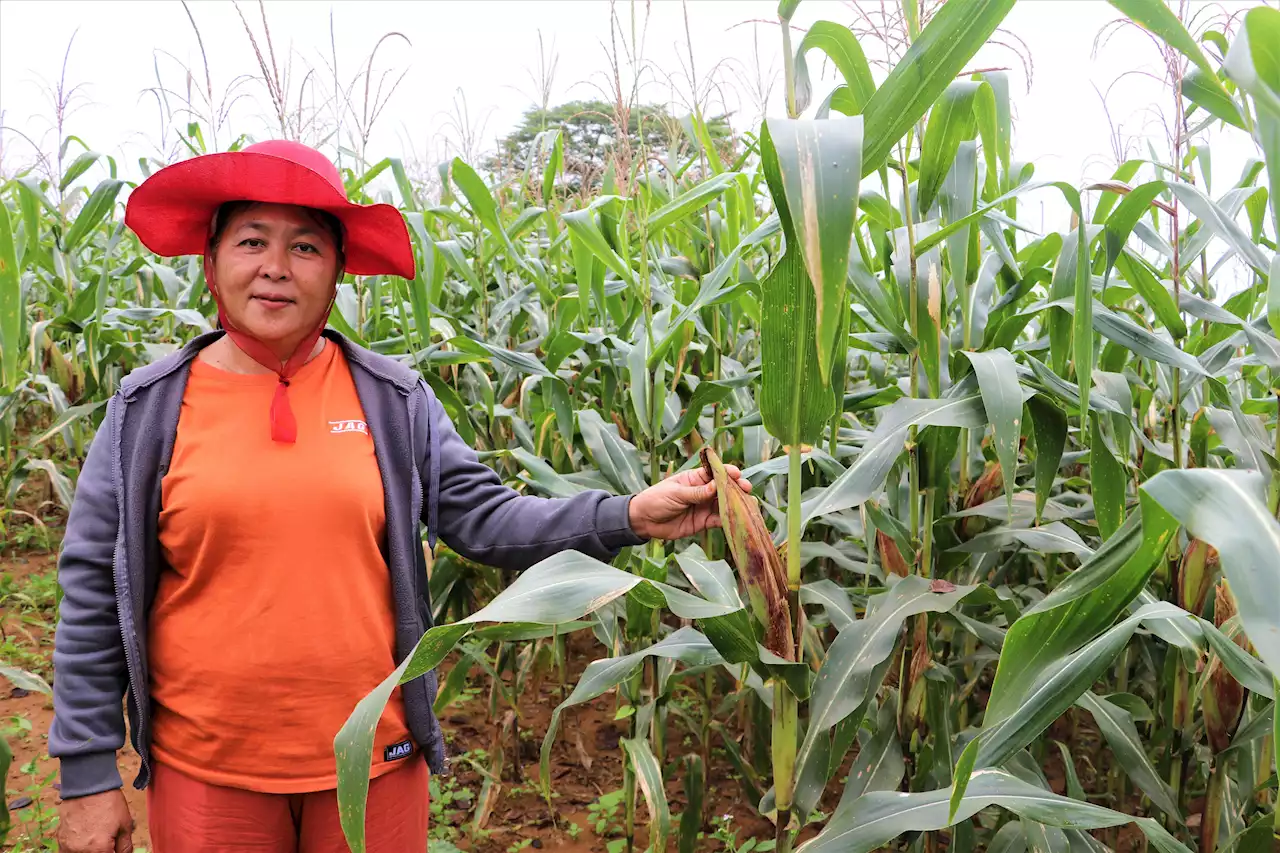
(699, 477)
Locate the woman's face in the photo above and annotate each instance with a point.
(275, 269)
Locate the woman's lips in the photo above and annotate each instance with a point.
(273, 301)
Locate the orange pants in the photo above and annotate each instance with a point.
(189, 816)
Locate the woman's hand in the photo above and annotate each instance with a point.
(98, 823)
(680, 506)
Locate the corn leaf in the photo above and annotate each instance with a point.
(10, 304)
(583, 224)
(693, 199)
(952, 37)
(6, 758)
(1079, 608)
(1205, 90)
(846, 679)
(1213, 217)
(1126, 745)
(879, 765)
(1054, 690)
(1049, 427)
(817, 169)
(616, 458)
(1136, 272)
(1126, 215)
(713, 579)
(649, 777)
(1108, 478)
(1052, 538)
(1002, 400)
(841, 45)
(96, 209)
(877, 818)
(708, 393)
(865, 476)
(951, 121)
(1156, 16)
(1136, 339)
(560, 589)
(686, 645)
(1253, 64)
(1227, 509)
(695, 791)
(713, 285)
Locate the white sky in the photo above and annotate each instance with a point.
(488, 49)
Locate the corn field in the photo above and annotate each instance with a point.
(1003, 476)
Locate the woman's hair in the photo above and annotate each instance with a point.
(326, 220)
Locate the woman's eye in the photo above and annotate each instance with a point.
(252, 241)
(306, 247)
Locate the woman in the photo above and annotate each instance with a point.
(244, 557)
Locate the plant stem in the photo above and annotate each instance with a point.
(926, 553)
(1211, 817)
(914, 300)
(785, 723)
(1177, 428)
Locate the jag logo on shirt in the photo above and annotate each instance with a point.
(336, 427)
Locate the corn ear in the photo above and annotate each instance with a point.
(1223, 695)
(891, 555)
(1223, 705)
(913, 709)
(1195, 575)
(987, 487)
(757, 561)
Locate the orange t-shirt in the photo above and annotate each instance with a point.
(277, 616)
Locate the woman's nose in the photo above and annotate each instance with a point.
(275, 264)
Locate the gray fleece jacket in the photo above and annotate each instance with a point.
(111, 558)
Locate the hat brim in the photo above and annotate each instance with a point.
(171, 210)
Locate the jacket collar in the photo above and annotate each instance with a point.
(383, 367)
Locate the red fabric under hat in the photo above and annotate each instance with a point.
(172, 212)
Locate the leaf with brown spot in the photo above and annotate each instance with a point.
(820, 164)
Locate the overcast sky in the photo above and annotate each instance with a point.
(488, 51)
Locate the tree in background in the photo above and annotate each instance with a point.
(593, 140)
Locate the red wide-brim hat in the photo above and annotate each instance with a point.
(171, 211)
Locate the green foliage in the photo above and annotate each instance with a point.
(986, 449)
(592, 135)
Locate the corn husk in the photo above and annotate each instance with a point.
(891, 555)
(1196, 574)
(987, 487)
(1223, 695)
(756, 559)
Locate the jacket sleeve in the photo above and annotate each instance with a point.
(491, 523)
(90, 675)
